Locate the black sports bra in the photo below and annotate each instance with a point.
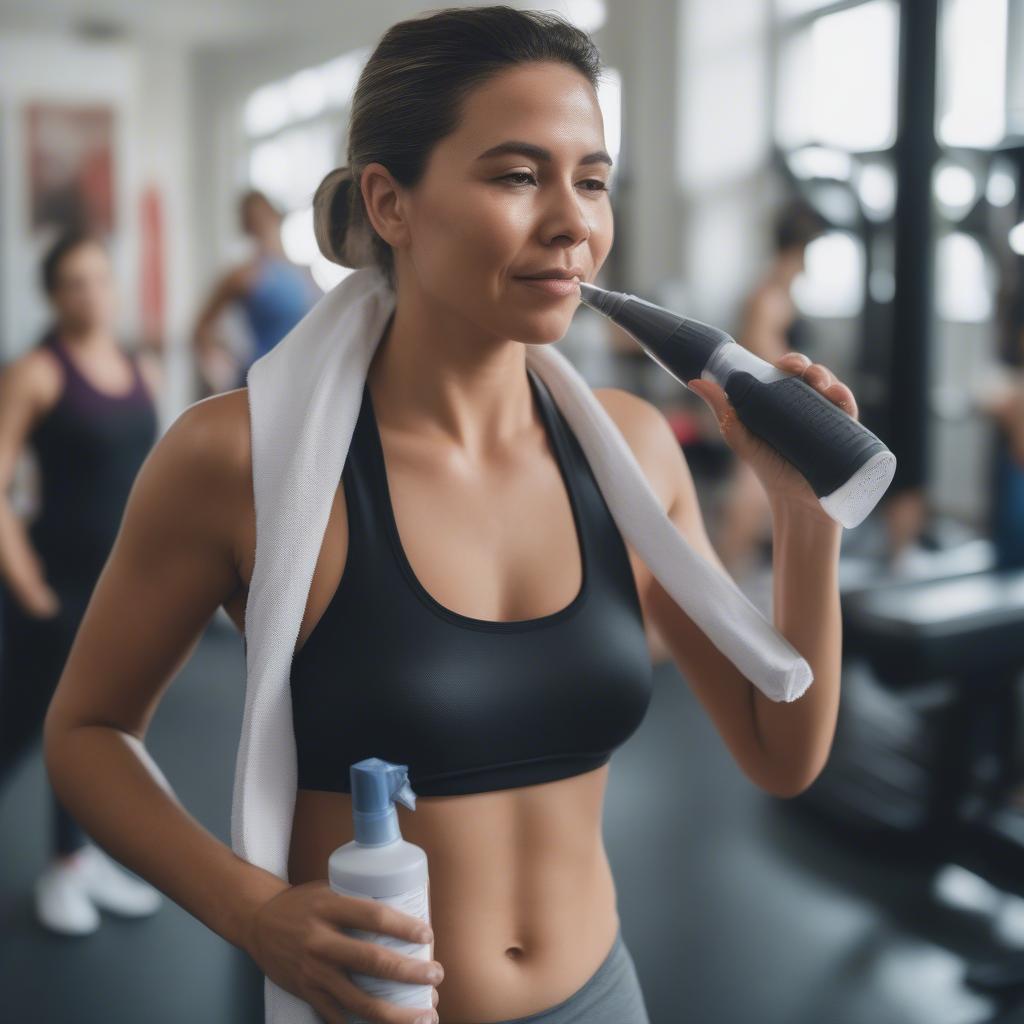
(470, 705)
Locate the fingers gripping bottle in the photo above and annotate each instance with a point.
(379, 864)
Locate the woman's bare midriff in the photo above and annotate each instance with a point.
(522, 899)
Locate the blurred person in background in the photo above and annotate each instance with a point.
(86, 408)
(273, 293)
(770, 326)
(1000, 395)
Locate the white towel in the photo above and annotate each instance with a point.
(304, 397)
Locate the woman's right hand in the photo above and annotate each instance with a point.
(296, 939)
(40, 601)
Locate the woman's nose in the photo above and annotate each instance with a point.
(565, 218)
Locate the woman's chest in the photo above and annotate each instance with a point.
(484, 553)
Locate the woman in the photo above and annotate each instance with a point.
(464, 514)
(272, 292)
(1001, 396)
(85, 408)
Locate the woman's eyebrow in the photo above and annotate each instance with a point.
(539, 153)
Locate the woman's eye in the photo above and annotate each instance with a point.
(519, 174)
(597, 184)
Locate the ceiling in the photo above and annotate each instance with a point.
(202, 22)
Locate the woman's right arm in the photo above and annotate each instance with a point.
(27, 388)
(176, 558)
(214, 360)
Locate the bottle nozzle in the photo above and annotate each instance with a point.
(680, 344)
(376, 785)
(603, 301)
(591, 294)
(403, 793)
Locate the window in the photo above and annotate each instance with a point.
(837, 80)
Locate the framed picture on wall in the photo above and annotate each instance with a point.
(70, 152)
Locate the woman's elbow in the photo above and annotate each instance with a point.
(56, 733)
(790, 784)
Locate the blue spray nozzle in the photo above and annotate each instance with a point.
(376, 785)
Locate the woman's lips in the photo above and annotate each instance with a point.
(553, 285)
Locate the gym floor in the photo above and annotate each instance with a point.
(735, 906)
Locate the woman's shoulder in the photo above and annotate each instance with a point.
(207, 446)
(34, 379)
(196, 482)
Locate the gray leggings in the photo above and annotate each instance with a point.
(611, 995)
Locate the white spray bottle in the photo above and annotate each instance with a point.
(379, 864)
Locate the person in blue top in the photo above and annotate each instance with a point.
(1001, 397)
(273, 293)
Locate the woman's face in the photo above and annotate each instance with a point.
(83, 296)
(258, 217)
(479, 220)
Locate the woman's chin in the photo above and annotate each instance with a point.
(543, 330)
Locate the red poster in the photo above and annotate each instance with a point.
(70, 166)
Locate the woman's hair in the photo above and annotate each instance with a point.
(797, 223)
(254, 195)
(409, 97)
(66, 243)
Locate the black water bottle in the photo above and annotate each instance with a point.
(847, 466)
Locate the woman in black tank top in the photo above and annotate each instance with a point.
(89, 440)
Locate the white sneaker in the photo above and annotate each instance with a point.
(112, 888)
(61, 902)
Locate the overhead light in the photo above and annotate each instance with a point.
(963, 293)
(876, 187)
(819, 162)
(882, 285)
(956, 189)
(831, 284)
(1017, 239)
(1002, 187)
(835, 202)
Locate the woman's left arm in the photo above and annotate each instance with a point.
(805, 580)
(780, 746)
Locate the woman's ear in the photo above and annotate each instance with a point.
(383, 198)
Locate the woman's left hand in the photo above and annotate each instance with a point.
(784, 484)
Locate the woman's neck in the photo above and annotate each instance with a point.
(87, 339)
(434, 372)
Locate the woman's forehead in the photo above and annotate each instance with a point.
(85, 256)
(550, 106)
